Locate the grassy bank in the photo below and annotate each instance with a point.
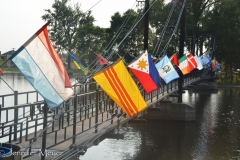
(73, 72)
(228, 78)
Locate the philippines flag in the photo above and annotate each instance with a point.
(146, 72)
(42, 67)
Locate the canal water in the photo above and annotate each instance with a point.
(215, 135)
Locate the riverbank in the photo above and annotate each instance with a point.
(14, 70)
(223, 81)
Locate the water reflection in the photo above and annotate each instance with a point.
(209, 122)
(213, 136)
(17, 82)
(111, 149)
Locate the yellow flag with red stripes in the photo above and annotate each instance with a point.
(119, 85)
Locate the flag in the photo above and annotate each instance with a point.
(1, 72)
(119, 85)
(102, 60)
(153, 58)
(206, 60)
(132, 56)
(166, 70)
(79, 64)
(199, 63)
(146, 72)
(183, 65)
(174, 59)
(218, 66)
(214, 65)
(42, 67)
(191, 62)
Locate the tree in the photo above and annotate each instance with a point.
(124, 33)
(65, 20)
(225, 17)
(1, 61)
(89, 41)
(196, 11)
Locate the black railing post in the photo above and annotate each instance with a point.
(151, 96)
(44, 137)
(181, 50)
(0, 113)
(74, 119)
(96, 118)
(21, 127)
(10, 135)
(15, 114)
(146, 24)
(167, 88)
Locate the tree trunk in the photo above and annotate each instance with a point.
(231, 75)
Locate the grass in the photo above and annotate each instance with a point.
(74, 72)
(227, 78)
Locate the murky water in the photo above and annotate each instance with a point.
(17, 82)
(215, 135)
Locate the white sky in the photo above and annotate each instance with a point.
(20, 19)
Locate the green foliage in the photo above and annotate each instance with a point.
(65, 20)
(89, 41)
(73, 31)
(1, 61)
(133, 43)
(225, 18)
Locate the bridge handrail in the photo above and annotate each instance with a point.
(90, 103)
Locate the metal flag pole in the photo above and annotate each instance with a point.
(7, 84)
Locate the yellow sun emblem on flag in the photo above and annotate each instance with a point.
(142, 64)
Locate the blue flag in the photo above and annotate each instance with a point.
(166, 70)
(78, 64)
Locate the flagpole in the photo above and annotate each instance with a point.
(14, 54)
(6, 84)
(5, 62)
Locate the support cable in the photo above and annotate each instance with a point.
(117, 34)
(161, 36)
(119, 30)
(114, 51)
(175, 29)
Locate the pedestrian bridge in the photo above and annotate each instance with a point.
(86, 119)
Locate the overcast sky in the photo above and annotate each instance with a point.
(20, 19)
